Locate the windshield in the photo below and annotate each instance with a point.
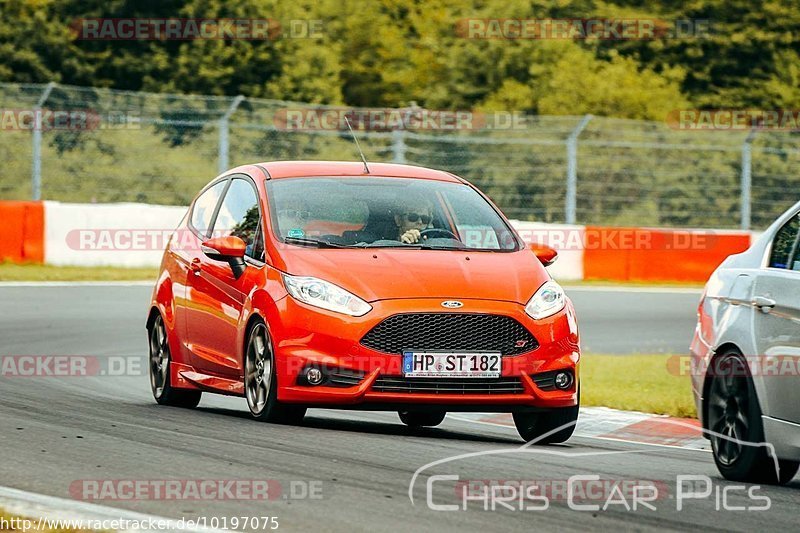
(379, 212)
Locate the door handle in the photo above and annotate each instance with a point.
(195, 266)
(763, 303)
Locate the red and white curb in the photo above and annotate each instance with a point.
(624, 426)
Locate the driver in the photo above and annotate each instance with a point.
(414, 214)
(293, 217)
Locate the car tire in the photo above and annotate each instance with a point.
(733, 414)
(534, 426)
(418, 419)
(160, 375)
(261, 383)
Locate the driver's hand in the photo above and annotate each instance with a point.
(410, 237)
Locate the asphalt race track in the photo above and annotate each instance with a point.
(55, 432)
(82, 319)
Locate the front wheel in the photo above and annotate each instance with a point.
(261, 384)
(548, 427)
(417, 419)
(160, 383)
(737, 432)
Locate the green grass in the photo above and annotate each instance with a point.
(34, 272)
(635, 383)
(11, 519)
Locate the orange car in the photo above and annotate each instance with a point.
(388, 287)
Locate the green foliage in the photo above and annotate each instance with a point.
(396, 53)
(393, 52)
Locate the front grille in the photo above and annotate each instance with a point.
(458, 332)
(398, 384)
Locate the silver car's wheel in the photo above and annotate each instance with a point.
(737, 433)
(258, 370)
(729, 410)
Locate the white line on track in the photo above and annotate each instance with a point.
(35, 506)
(621, 288)
(77, 283)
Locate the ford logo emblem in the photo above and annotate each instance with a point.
(452, 304)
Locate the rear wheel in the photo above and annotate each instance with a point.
(548, 427)
(417, 419)
(160, 359)
(734, 419)
(261, 384)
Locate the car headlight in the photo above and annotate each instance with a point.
(548, 300)
(320, 293)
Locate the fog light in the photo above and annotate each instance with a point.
(314, 376)
(563, 380)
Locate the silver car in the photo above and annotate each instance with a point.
(746, 358)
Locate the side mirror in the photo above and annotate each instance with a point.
(545, 254)
(230, 249)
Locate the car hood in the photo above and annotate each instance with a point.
(382, 274)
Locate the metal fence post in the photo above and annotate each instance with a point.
(747, 179)
(399, 146)
(36, 170)
(572, 170)
(223, 155)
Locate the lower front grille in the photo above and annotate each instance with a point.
(397, 384)
(546, 380)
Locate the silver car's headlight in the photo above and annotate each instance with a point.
(548, 300)
(321, 293)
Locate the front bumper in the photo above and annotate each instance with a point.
(305, 336)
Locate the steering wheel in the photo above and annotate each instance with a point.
(433, 233)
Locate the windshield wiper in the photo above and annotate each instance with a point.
(388, 245)
(304, 241)
(439, 247)
(417, 246)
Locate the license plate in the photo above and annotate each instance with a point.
(461, 365)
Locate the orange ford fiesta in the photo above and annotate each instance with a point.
(387, 287)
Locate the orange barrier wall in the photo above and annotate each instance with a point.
(639, 254)
(22, 231)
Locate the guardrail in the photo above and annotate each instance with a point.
(134, 235)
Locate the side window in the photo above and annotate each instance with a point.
(784, 244)
(239, 217)
(203, 209)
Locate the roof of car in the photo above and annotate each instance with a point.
(293, 169)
